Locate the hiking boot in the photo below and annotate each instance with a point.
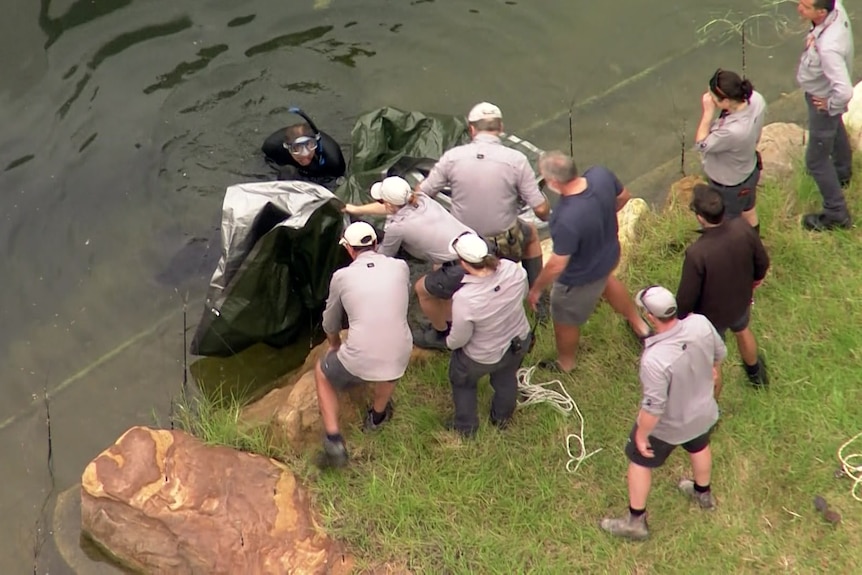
(334, 454)
(629, 527)
(500, 423)
(758, 376)
(705, 500)
(469, 433)
(369, 424)
(430, 338)
(821, 222)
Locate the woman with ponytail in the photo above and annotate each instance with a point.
(490, 333)
(424, 228)
(728, 143)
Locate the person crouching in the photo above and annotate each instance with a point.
(490, 334)
(373, 290)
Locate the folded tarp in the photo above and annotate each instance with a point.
(279, 250)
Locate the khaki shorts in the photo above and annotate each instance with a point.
(573, 305)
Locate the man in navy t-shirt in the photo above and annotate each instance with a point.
(586, 250)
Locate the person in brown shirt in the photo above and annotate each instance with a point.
(720, 272)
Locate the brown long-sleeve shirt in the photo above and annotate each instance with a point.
(719, 272)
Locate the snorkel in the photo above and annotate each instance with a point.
(298, 111)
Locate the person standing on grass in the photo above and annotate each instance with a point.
(585, 233)
(728, 144)
(490, 334)
(486, 179)
(824, 76)
(424, 228)
(373, 291)
(719, 274)
(677, 370)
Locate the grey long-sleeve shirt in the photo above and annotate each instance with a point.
(374, 291)
(825, 65)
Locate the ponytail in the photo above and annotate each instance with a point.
(489, 262)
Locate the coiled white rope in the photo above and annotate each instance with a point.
(534, 393)
(851, 465)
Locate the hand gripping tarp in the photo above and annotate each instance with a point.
(279, 250)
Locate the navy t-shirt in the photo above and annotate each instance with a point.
(584, 227)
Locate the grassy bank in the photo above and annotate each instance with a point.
(418, 496)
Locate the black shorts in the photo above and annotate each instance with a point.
(737, 326)
(336, 373)
(739, 198)
(661, 449)
(445, 281)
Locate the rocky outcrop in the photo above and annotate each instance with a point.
(782, 148)
(853, 118)
(291, 408)
(161, 501)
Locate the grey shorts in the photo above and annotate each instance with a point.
(736, 326)
(573, 305)
(444, 282)
(739, 198)
(336, 373)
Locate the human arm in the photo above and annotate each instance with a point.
(761, 259)
(462, 327)
(550, 272)
(392, 239)
(708, 113)
(333, 313)
(623, 198)
(437, 179)
(655, 382)
(370, 209)
(690, 285)
(528, 190)
(840, 86)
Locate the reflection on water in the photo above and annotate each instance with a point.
(184, 69)
(80, 12)
(128, 39)
(294, 39)
(241, 20)
(19, 162)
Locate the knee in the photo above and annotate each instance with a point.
(419, 288)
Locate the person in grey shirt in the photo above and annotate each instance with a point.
(824, 76)
(677, 371)
(486, 179)
(490, 334)
(728, 144)
(373, 291)
(424, 228)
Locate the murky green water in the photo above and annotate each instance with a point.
(125, 120)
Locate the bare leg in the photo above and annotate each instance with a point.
(716, 382)
(567, 337)
(701, 464)
(382, 394)
(437, 310)
(618, 296)
(640, 480)
(750, 216)
(327, 401)
(747, 346)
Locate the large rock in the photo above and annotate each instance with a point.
(782, 147)
(853, 118)
(163, 502)
(682, 190)
(291, 408)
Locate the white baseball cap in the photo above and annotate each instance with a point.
(484, 111)
(469, 247)
(657, 300)
(358, 235)
(394, 189)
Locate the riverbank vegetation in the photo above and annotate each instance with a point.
(418, 496)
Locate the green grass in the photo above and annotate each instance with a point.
(416, 496)
(214, 418)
